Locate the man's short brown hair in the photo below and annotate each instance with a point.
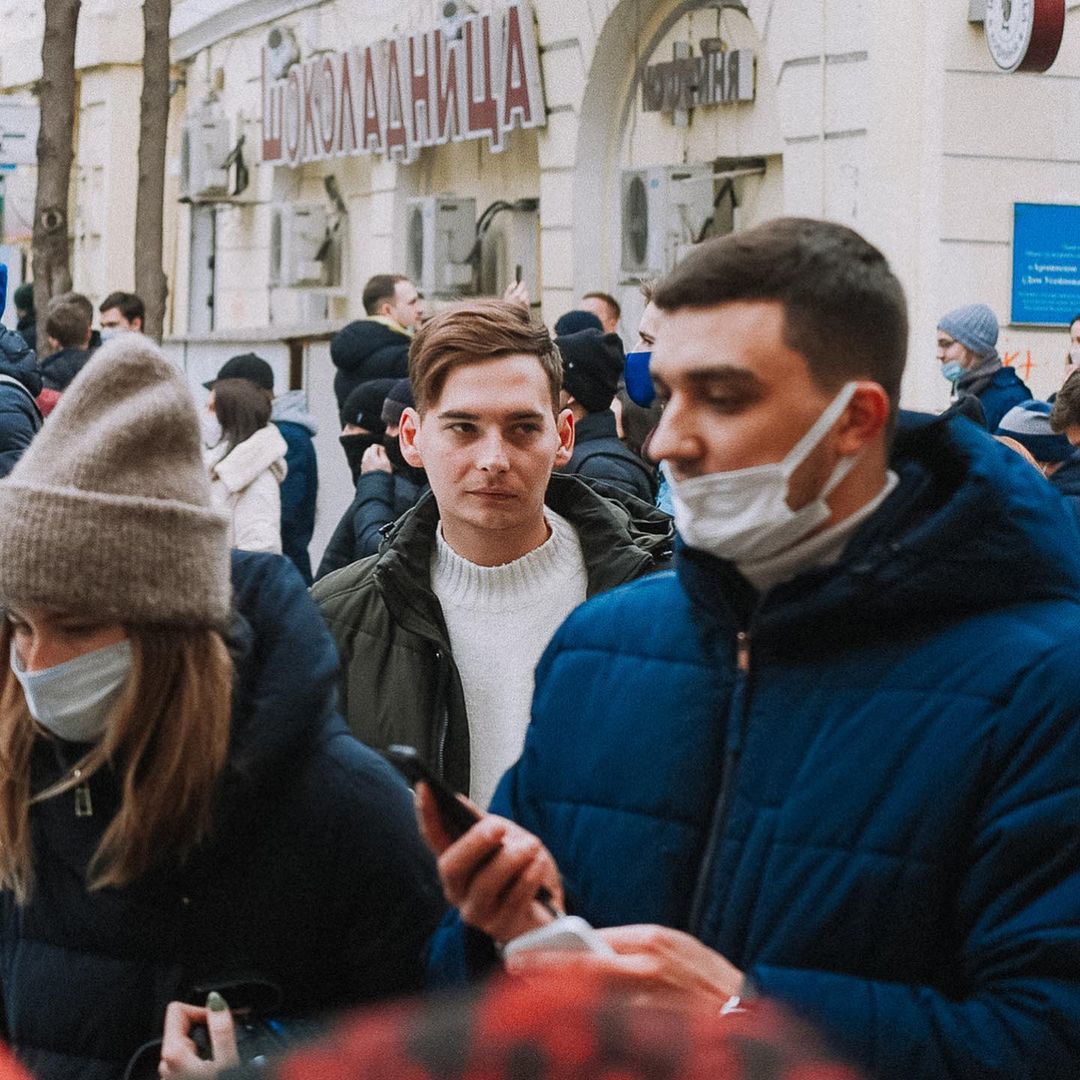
(129, 304)
(379, 290)
(844, 309)
(472, 333)
(68, 318)
(1066, 410)
(605, 298)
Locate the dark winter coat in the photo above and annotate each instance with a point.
(871, 804)
(1004, 390)
(399, 683)
(316, 881)
(58, 370)
(1066, 481)
(600, 454)
(381, 498)
(367, 349)
(300, 488)
(26, 327)
(20, 383)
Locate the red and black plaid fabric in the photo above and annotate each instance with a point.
(515, 1029)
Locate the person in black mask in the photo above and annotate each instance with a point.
(361, 421)
(386, 484)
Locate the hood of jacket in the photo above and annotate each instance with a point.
(237, 468)
(971, 527)
(18, 361)
(284, 685)
(621, 539)
(291, 408)
(353, 344)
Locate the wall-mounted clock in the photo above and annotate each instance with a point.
(1024, 35)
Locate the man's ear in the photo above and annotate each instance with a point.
(565, 424)
(408, 437)
(865, 420)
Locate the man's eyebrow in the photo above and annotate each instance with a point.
(458, 414)
(723, 372)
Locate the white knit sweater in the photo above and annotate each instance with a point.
(500, 620)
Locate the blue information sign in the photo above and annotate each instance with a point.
(1046, 264)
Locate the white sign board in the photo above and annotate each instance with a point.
(18, 134)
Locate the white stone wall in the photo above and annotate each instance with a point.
(890, 117)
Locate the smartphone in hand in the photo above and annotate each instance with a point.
(457, 817)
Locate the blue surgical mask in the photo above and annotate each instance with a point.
(73, 700)
(952, 371)
(639, 384)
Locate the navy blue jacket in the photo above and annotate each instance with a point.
(315, 880)
(1066, 481)
(20, 384)
(877, 814)
(381, 498)
(58, 370)
(601, 455)
(1006, 390)
(300, 488)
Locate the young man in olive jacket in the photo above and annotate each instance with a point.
(440, 632)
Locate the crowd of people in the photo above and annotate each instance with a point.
(759, 689)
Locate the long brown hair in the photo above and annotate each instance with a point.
(167, 740)
(242, 408)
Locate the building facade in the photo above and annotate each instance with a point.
(575, 147)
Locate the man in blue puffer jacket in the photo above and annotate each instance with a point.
(832, 757)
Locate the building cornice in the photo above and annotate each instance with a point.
(198, 24)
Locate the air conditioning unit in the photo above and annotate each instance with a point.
(282, 51)
(205, 145)
(440, 234)
(664, 209)
(298, 242)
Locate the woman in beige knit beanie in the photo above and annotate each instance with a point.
(172, 765)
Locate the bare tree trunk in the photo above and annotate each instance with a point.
(56, 96)
(150, 282)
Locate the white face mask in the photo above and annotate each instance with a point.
(73, 700)
(743, 515)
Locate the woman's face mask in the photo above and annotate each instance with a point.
(71, 670)
(73, 700)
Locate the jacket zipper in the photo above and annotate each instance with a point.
(442, 714)
(732, 753)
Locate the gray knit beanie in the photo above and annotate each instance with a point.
(975, 326)
(108, 511)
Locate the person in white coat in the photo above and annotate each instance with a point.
(247, 464)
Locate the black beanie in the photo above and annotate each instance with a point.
(363, 406)
(592, 364)
(398, 398)
(573, 322)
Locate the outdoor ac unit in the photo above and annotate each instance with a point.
(663, 210)
(298, 235)
(440, 233)
(204, 147)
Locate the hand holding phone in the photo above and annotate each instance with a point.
(500, 877)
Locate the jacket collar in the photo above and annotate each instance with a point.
(620, 540)
(596, 425)
(970, 528)
(238, 467)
